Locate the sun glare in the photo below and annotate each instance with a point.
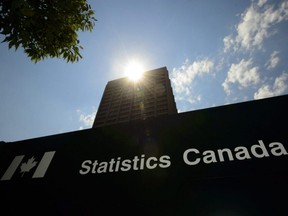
(134, 70)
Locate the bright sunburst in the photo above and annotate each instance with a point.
(134, 70)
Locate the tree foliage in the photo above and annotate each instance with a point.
(46, 28)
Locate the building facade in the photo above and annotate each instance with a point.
(124, 100)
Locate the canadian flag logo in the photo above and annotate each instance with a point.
(40, 170)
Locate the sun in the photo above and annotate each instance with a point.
(134, 70)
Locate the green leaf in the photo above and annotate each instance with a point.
(11, 43)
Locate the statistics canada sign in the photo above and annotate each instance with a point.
(191, 157)
(229, 160)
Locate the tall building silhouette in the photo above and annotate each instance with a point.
(124, 100)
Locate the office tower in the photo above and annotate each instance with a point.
(125, 100)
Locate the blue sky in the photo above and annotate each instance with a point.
(217, 53)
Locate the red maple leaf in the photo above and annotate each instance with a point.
(26, 167)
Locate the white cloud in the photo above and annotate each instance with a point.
(242, 73)
(86, 119)
(228, 42)
(261, 3)
(273, 61)
(279, 87)
(188, 102)
(255, 25)
(183, 76)
(193, 100)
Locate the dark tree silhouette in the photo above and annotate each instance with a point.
(46, 28)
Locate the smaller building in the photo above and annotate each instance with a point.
(124, 100)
